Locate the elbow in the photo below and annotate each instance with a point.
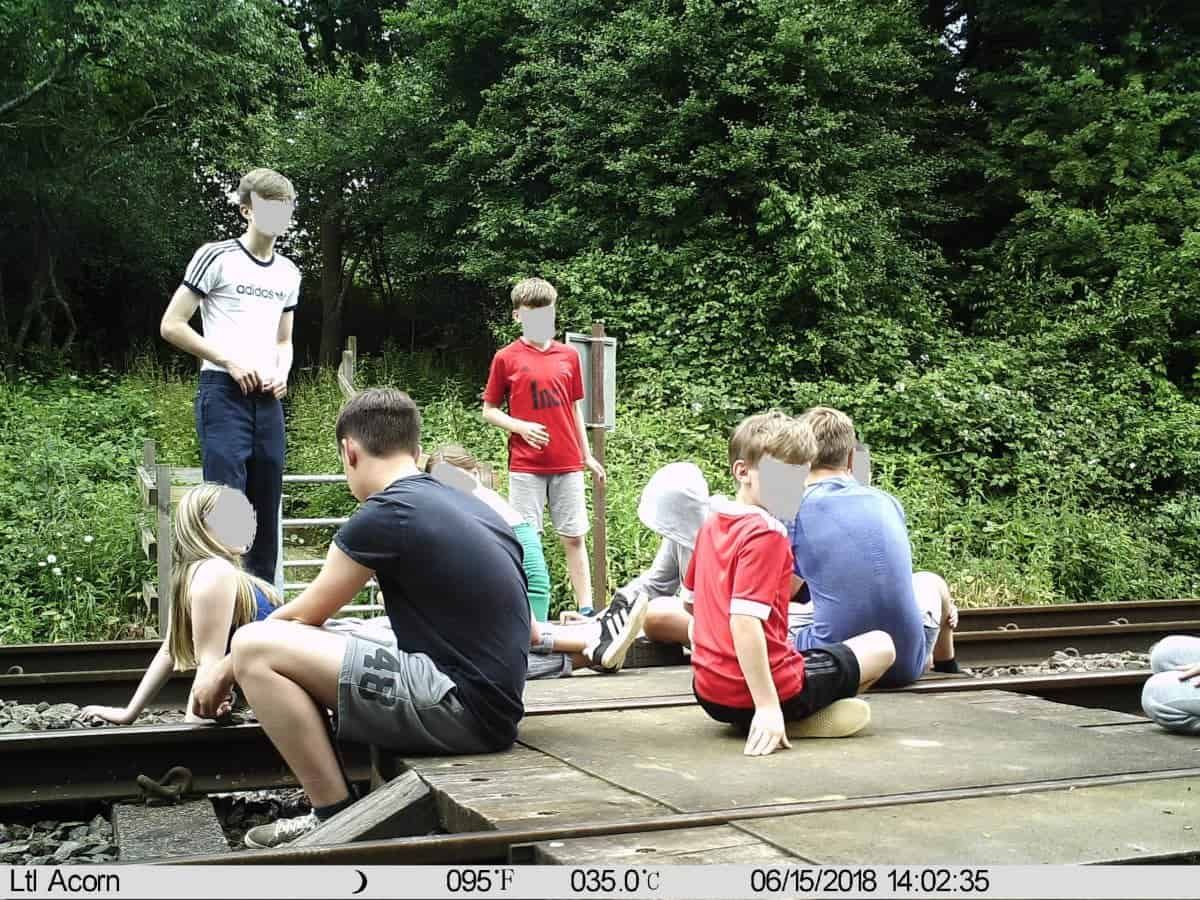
(166, 330)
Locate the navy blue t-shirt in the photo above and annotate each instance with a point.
(454, 589)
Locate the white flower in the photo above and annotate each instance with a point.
(1133, 465)
(899, 387)
(51, 558)
(42, 563)
(87, 538)
(74, 377)
(56, 570)
(79, 579)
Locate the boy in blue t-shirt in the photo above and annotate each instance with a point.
(851, 548)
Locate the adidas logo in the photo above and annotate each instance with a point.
(255, 291)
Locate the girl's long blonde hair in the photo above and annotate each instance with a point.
(193, 544)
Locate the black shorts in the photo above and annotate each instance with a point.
(830, 674)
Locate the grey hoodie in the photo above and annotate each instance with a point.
(674, 504)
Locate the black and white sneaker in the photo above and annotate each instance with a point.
(620, 624)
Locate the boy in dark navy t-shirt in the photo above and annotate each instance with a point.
(445, 678)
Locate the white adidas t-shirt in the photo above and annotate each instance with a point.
(243, 299)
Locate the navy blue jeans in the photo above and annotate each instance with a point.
(242, 446)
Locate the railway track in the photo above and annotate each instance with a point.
(49, 767)
(31, 659)
(516, 844)
(108, 672)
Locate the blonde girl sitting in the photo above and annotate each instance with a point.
(211, 598)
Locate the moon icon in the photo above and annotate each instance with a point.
(362, 887)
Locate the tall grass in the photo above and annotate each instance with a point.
(71, 567)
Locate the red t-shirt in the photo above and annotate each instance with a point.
(742, 565)
(540, 386)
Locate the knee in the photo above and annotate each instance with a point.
(249, 646)
(882, 649)
(1161, 701)
(1174, 650)
(887, 648)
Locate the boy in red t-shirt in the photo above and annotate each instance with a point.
(542, 381)
(746, 672)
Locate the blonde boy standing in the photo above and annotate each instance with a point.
(542, 381)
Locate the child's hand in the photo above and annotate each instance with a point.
(115, 715)
(594, 464)
(535, 434)
(1187, 673)
(767, 732)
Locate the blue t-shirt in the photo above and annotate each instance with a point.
(263, 606)
(851, 547)
(262, 609)
(454, 588)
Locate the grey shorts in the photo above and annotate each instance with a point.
(529, 492)
(399, 701)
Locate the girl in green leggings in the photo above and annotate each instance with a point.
(600, 643)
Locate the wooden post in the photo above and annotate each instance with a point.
(163, 485)
(598, 417)
(352, 346)
(149, 450)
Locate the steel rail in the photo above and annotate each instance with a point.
(41, 767)
(103, 763)
(1044, 625)
(486, 846)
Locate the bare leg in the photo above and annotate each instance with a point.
(875, 652)
(932, 593)
(571, 638)
(290, 675)
(668, 622)
(577, 568)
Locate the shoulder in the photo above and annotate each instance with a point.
(213, 249)
(498, 505)
(214, 576)
(746, 521)
(564, 349)
(288, 266)
(508, 350)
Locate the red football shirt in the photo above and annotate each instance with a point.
(540, 386)
(742, 565)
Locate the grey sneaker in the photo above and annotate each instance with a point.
(282, 831)
(620, 624)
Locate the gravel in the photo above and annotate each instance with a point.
(1068, 660)
(16, 717)
(239, 812)
(54, 843)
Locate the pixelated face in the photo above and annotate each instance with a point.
(454, 477)
(781, 487)
(537, 324)
(271, 216)
(232, 521)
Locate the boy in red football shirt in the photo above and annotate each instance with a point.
(542, 381)
(746, 672)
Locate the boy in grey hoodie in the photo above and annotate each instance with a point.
(674, 504)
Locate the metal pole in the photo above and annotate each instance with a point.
(163, 489)
(598, 417)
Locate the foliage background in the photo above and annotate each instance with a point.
(974, 226)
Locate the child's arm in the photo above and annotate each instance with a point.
(767, 731)
(276, 382)
(156, 676)
(213, 595)
(534, 433)
(588, 460)
(175, 329)
(339, 580)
